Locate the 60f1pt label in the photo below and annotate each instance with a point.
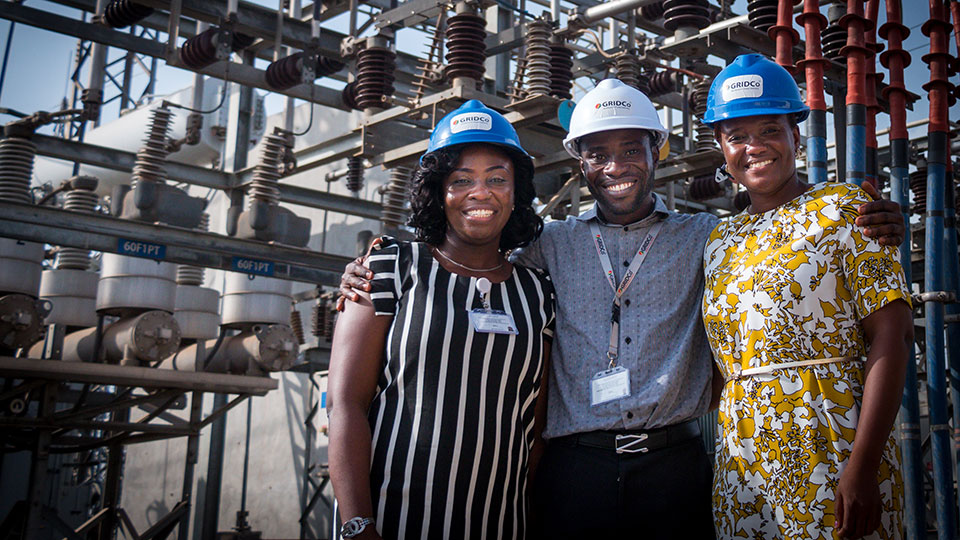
(252, 266)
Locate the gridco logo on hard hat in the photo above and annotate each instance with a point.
(612, 107)
(468, 121)
(742, 86)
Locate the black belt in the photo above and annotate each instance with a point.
(636, 440)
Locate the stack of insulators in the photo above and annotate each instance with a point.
(465, 46)
(193, 275)
(375, 67)
(663, 82)
(834, 37)
(918, 185)
(288, 72)
(652, 12)
(16, 169)
(561, 72)
(705, 137)
(762, 14)
(354, 174)
(296, 324)
(537, 65)
(395, 197)
(319, 319)
(201, 50)
(741, 201)
(264, 186)
(123, 13)
(630, 71)
(151, 158)
(704, 187)
(78, 200)
(685, 13)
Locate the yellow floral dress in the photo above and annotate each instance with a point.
(786, 285)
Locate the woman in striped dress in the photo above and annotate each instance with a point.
(435, 395)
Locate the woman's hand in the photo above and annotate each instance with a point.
(881, 219)
(356, 277)
(857, 503)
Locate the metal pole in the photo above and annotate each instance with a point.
(211, 499)
(6, 56)
(856, 52)
(939, 87)
(951, 273)
(894, 59)
(813, 22)
(193, 450)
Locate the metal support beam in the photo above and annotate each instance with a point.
(181, 246)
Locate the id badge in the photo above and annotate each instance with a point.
(492, 322)
(609, 385)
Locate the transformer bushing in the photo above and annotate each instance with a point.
(685, 15)
(150, 199)
(537, 75)
(296, 324)
(918, 185)
(834, 37)
(123, 13)
(202, 49)
(250, 299)
(630, 71)
(264, 219)
(318, 319)
(465, 47)
(663, 82)
(396, 197)
(288, 72)
(354, 178)
(705, 187)
(196, 307)
(147, 339)
(561, 72)
(70, 286)
(255, 351)
(762, 14)
(375, 66)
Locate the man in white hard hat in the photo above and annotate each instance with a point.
(631, 370)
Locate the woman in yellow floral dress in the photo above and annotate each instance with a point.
(810, 323)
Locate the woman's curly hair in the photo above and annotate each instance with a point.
(429, 219)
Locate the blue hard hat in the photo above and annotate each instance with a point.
(753, 85)
(474, 122)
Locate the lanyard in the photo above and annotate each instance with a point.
(618, 290)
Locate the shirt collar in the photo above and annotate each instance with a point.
(660, 211)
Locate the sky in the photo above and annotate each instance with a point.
(40, 63)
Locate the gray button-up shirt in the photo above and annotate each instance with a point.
(662, 341)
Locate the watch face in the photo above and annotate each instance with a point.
(354, 527)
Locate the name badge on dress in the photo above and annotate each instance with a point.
(609, 385)
(492, 322)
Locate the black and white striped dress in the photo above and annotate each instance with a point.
(452, 420)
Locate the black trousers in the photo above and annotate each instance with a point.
(585, 492)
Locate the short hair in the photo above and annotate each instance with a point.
(428, 218)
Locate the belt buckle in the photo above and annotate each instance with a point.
(630, 444)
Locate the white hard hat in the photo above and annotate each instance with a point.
(613, 105)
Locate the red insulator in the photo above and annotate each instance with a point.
(685, 13)
(895, 59)
(123, 13)
(784, 35)
(561, 72)
(762, 14)
(856, 51)
(652, 12)
(375, 66)
(938, 59)
(813, 63)
(465, 46)
(704, 187)
(741, 201)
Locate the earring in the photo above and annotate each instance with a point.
(722, 175)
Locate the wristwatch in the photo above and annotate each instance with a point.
(355, 526)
